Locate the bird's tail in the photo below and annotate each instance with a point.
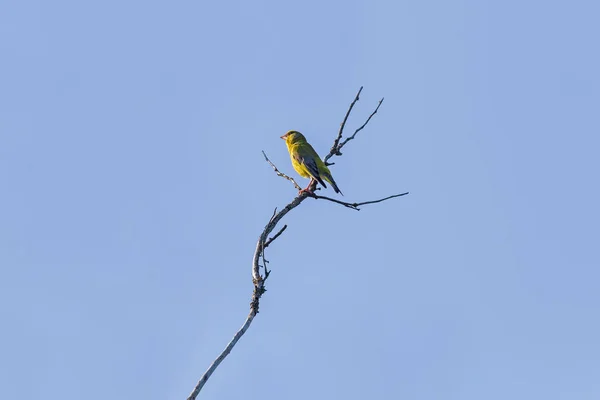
(329, 179)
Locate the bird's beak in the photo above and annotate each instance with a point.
(284, 136)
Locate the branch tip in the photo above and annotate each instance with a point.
(281, 174)
(337, 146)
(354, 206)
(271, 239)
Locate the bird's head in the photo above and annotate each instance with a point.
(293, 137)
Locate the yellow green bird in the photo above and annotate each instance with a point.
(306, 161)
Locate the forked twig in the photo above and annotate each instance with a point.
(337, 146)
(349, 138)
(334, 149)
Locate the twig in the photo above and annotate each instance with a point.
(354, 206)
(279, 173)
(334, 149)
(271, 239)
(337, 146)
(359, 129)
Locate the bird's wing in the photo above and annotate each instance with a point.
(311, 166)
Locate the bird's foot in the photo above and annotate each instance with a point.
(307, 191)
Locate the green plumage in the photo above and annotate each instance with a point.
(306, 161)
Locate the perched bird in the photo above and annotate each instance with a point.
(306, 161)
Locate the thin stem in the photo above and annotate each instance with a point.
(281, 174)
(358, 130)
(334, 149)
(355, 206)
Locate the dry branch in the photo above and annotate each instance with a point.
(264, 241)
(354, 206)
(281, 174)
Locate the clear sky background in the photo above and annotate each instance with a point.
(133, 190)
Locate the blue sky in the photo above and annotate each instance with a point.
(134, 190)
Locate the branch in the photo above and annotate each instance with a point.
(334, 149)
(221, 357)
(359, 129)
(337, 146)
(271, 239)
(259, 287)
(279, 173)
(354, 206)
(264, 241)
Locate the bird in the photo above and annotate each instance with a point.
(307, 162)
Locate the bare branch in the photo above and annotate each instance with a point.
(259, 287)
(221, 357)
(337, 146)
(334, 149)
(355, 206)
(271, 239)
(358, 130)
(258, 280)
(279, 173)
